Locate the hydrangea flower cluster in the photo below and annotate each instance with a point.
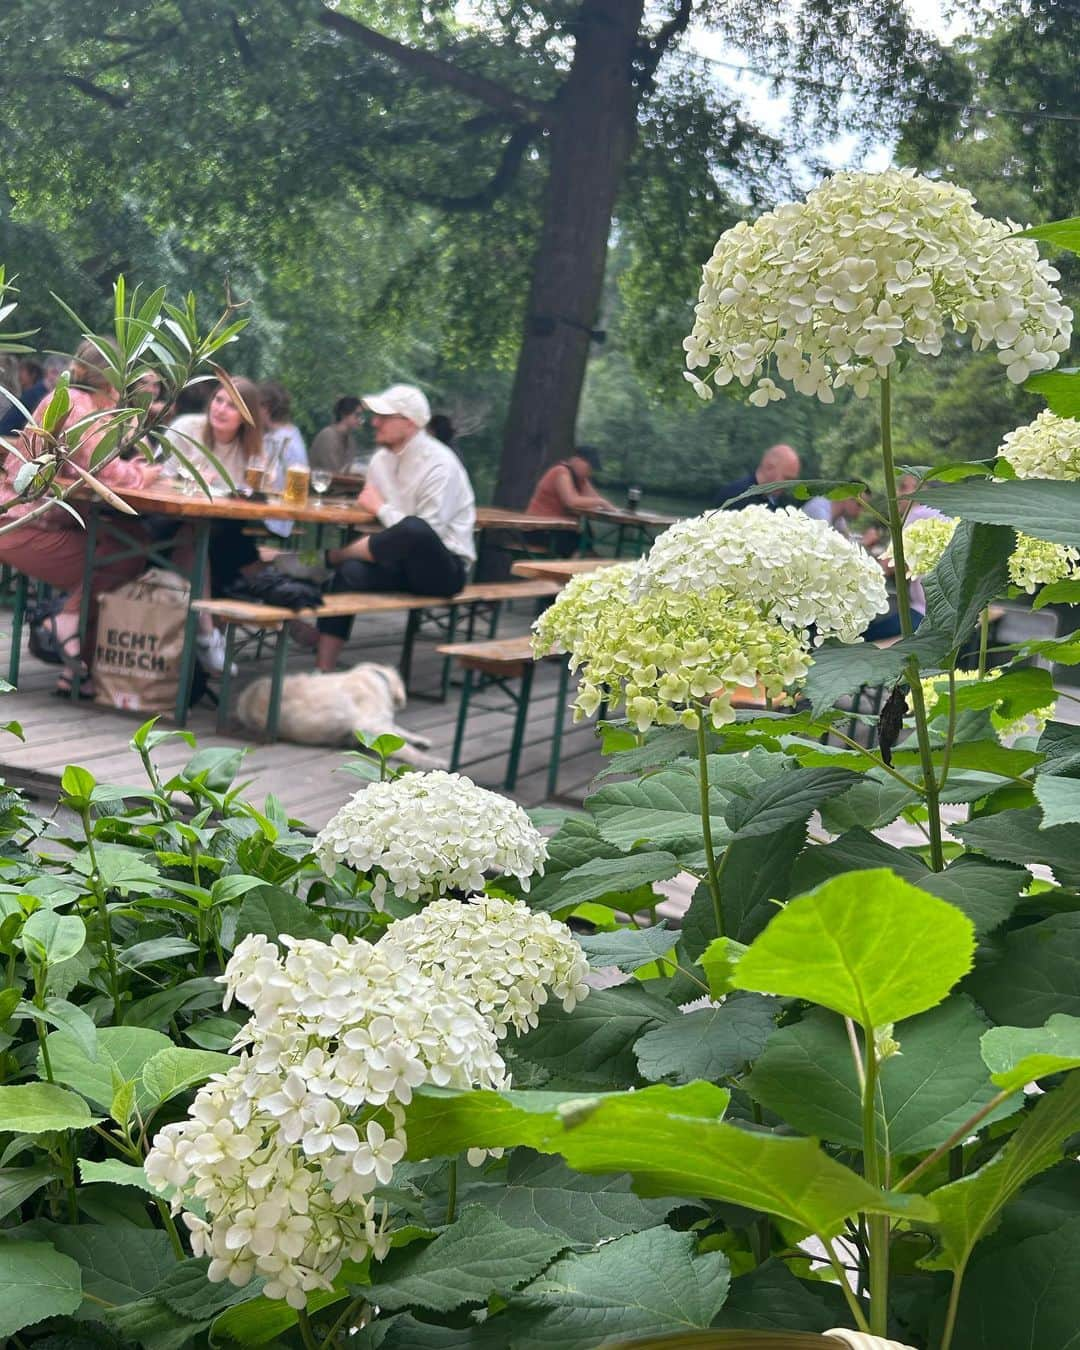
(428, 833)
(830, 288)
(567, 622)
(925, 542)
(1049, 447)
(285, 1150)
(936, 692)
(1038, 562)
(671, 653)
(1033, 562)
(500, 954)
(799, 570)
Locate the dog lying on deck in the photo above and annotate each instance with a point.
(325, 709)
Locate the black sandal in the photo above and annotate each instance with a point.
(75, 668)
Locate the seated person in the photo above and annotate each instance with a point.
(779, 464)
(234, 443)
(32, 389)
(52, 547)
(335, 447)
(419, 491)
(283, 445)
(565, 491)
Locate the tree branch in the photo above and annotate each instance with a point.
(94, 91)
(652, 52)
(509, 164)
(495, 95)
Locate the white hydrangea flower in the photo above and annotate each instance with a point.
(500, 954)
(829, 289)
(936, 692)
(1033, 562)
(572, 614)
(1049, 447)
(925, 542)
(285, 1150)
(428, 833)
(673, 656)
(799, 570)
(1038, 562)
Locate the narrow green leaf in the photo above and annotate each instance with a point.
(19, 1183)
(1060, 233)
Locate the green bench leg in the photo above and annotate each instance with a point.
(277, 679)
(463, 713)
(451, 634)
(225, 691)
(18, 613)
(557, 730)
(519, 729)
(412, 627)
(191, 627)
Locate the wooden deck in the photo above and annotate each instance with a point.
(305, 778)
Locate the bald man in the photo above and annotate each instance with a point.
(779, 464)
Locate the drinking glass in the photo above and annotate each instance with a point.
(321, 480)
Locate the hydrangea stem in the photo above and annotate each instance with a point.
(984, 639)
(875, 1173)
(706, 826)
(903, 605)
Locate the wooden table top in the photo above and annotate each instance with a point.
(619, 516)
(164, 499)
(168, 501)
(561, 569)
(499, 518)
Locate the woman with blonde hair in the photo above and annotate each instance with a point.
(224, 435)
(52, 547)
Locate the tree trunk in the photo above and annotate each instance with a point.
(590, 144)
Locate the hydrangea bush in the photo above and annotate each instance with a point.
(843, 1092)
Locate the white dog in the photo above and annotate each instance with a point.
(325, 709)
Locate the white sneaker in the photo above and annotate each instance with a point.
(210, 651)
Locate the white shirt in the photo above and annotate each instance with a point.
(427, 479)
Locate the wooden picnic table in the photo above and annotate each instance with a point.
(559, 569)
(641, 526)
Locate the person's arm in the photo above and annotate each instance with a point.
(570, 498)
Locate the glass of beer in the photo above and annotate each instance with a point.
(255, 475)
(297, 478)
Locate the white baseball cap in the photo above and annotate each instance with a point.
(404, 399)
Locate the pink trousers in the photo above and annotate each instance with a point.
(58, 556)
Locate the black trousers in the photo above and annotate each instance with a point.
(409, 556)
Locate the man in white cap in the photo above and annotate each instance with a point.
(419, 491)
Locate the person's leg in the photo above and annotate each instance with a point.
(352, 575)
(426, 564)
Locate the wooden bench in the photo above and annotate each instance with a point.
(443, 611)
(501, 662)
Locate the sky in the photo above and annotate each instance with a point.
(770, 111)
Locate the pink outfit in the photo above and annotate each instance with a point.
(52, 548)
